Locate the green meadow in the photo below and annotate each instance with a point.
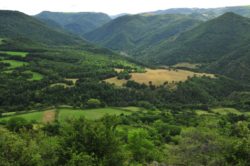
(91, 114)
(67, 113)
(35, 76)
(31, 116)
(14, 63)
(15, 53)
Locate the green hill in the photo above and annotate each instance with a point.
(15, 24)
(222, 44)
(76, 23)
(134, 33)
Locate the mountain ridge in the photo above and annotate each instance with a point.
(77, 23)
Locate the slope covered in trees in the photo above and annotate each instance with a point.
(221, 44)
(134, 33)
(15, 24)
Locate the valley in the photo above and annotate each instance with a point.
(168, 87)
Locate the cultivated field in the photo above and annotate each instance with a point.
(91, 114)
(50, 115)
(158, 76)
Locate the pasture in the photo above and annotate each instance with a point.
(35, 76)
(224, 111)
(15, 53)
(64, 113)
(221, 111)
(91, 114)
(14, 63)
(158, 77)
(30, 116)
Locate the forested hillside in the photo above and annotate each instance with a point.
(224, 41)
(134, 33)
(14, 24)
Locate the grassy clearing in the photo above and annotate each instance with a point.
(187, 65)
(131, 109)
(14, 53)
(37, 116)
(64, 113)
(202, 112)
(61, 84)
(8, 71)
(35, 76)
(221, 111)
(118, 70)
(14, 63)
(158, 77)
(91, 114)
(73, 80)
(116, 81)
(224, 111)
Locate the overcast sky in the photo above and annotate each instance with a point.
(111, 7)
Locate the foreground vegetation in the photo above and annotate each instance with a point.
(171, 137)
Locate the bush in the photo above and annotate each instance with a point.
(17, 123)
(124, 75)
(93, 103)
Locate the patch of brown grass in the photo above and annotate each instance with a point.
(118, 70)
(49, 116)
(159, 77)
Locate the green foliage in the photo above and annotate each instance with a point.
(135, 33)
(93, 103)
(220, 44)
(124, 75)
(142, 148)
(90, 114)
(199, 147)
(18, 123)
(96, 139)
(15, 24)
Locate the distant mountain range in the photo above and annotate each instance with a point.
(76, 23)
(208, 13)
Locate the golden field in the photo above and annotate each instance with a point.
(158, 77)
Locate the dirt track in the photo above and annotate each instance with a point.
(49, 116)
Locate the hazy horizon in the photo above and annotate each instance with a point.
(112, 7)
